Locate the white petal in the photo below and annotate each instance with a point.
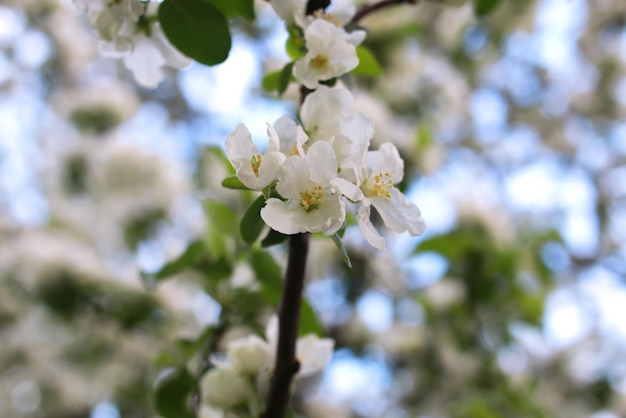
(348, 189)
(400, 215)
(313, 353)
(386, 160)
(366, 227)
(145, 62)
(323, 163)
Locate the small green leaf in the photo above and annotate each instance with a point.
(270, 81)
(266, 269)
(342, 249)
(172, 394)
(284, 78)
(233, 183)
(273, 238)
(308, 320)
(484, 7)
(187, 260)
(233, 8)
(197, 29)
(295, 45)
(423, 138)
(251, 223)
(368, 64)
(222, 217)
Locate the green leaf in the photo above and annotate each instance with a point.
(295, 45)
(284, 78)
(279, 80)
(266, 269)
(187, 260)
(273, 238)
(251, 223)
(233, 183)
(308, 320)
(197, 29)
(423, 138)
(368, 64)
(484, 7)
(222, 217)
(270, 81)
(172, 394)
(234, 8)
(342, 249)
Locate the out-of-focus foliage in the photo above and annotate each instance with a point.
(511, 125)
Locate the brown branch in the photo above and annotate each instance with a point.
(370, 8)
(287, 364)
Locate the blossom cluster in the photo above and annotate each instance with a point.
(246, 369)
(312, 169)
(128, 29)
(315, 167)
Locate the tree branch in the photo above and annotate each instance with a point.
(370, 8)
(287, 364)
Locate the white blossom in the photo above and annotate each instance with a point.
(250, 355)
(312, 204)
(331, 52)
(255, 170)
(379, 172)
(126, 31)
(225, 387)
(327, 115)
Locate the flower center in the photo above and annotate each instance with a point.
(311, 199)
(255, 163)
(319, 62)
(329, 17)
(381, 188)
(294, 151)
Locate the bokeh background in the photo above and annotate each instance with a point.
(513, 131)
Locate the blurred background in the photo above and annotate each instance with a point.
(512, 304)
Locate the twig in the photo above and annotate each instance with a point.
(287, 365)
(369, 8)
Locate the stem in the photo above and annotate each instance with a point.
(287, 365)
(369, 8)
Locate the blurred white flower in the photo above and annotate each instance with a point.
(312, 352)
(225, 387)
(250, 355)
(331, 52)
(127, 31)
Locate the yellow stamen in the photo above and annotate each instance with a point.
(319, 62)
(311, 200)
(381, 188)
(294, 151)
(255, 162)
(329, 17)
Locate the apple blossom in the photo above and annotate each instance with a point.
(327, 113)
(126, 31)
(312, 204)
(255, 170)
(250, 355)
(331, 52)
(378, 173)
(225, 387)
